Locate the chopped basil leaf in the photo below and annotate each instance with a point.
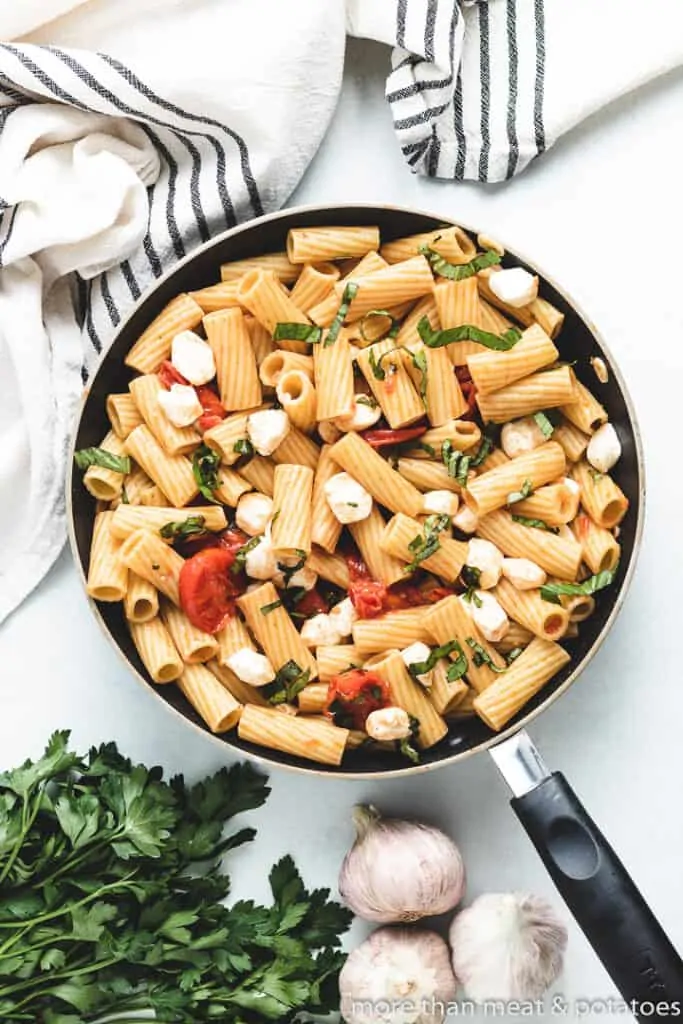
(289, 570)
(124, 496)
(544, 425)
(482, 657)
(368, 400)
(551, 591)
(347, 298)
(537, 524)
(466, 332)
(241, 554)
(471, 577)
(419, 360)
(378, 371)
(266, 609)
(420, 668)
(351, 504)
(595, 475)
(395, 328)
(459, 271)
(424, 447)
(486, 446)
(205, 463)
(513, 654)
(372, 315)
(457, 668)
(87, 457)
(405, 746)
(183, 528)
(243, 447)
(457, 463)
(289, 681)
(297, 332)
(275, 517)
(525, 492)
(425, 544)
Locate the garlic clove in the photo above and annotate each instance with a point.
(507, 946)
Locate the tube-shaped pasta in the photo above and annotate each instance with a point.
(310, 245)
(325, 311)
(451, 243)
(334, 377)
(236, 370)
(106, 484)
(545, 390)
(555, 504)
(602, 498)
(445, 694)
(123, 414)
(383, 367)
(242, 692)
(262, 294)
(427, 476)
(217, 296)
(260, 473)
(232, 637)
(493, 320)
(313, 699)
(276, 262)
(291, 523)
(297, 396)
(407, 694)
(315, 283)
(129, 518)
(559, 556)
(334, 659)
(493, 370)
(516, 636)
(174, 440)
(146, 554)
(297, 449)
(495, 458)
(300, 737)
(573, 440)
(407, 334)
(261, 339)
(491, 490)
(368, 533)
(579, 607)
(154, 344)
(172, 473)
(330, 567)
(280, 362)
(369, 264)
(156, 649)
(538, 663)
(107, 572)
(225, 435)
(231, 486)
(601, 549)
(450, 619)
(274, 630)
(213, 702)
(400, 282)
(386, 486)
(543, 618)
(464, 708)
(393, 629)
(447, 561)
(443, 397)
(547, 316)
(326, 528)
(457, 303)
(141, 602)
(195, 645)
(463, 435)
(364, 332)
(584, 410)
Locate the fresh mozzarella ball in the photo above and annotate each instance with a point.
(267, 429)
(521, 436)
(465, 519)
(181, 405)
(440, 503)
(329, 433)
(604, 448)
(304, 578)
(343, 616)
(515, 287)
(192, 356)
(349, 501)
(523, 573)
(260, 563)
(253, 513)
(388, 724)
(488, 559)
(415, 654)
(251, 667)
(319, 630)
(362, 417)
(571, 485)
(489, 616)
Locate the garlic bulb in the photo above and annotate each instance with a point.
(507, 946)
(400, 870)
(398, 976)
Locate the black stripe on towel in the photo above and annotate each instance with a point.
(401, 23)
(130, 279)
(171, 222)
(485, 76)
(417, 87)
(513, 79)
(430, 29)
(434, 154)
(458, 125)
(112, 310)
(539, 129)
(421, 118)
(89, 325)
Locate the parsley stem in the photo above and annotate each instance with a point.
(84, 967)
(26, 825)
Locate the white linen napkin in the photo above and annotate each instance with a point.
(132, 130)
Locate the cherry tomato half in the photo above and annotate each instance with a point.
(353, 695)
(207, 588)
(168, 375)
(211, 404)
(312, 603)
(385, 437)
(367, 596)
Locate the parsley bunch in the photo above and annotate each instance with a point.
(110, 901)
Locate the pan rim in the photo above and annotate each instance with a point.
(530, 716)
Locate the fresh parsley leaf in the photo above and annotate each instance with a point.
(544, 424)
(437, 339)
(266, 609)
(205, 463)
(183, 528)
(482, 657)
(522, 494)
(537, 524)
(297, 332)
(459, 271)
(244, 448)
(349, 294)
(87, 457)
(427, 543)
(289, 681)
(552, 591)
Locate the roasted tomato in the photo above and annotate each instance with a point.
(168, 375)
(211, 404)
(383, 438)
(208, 588)
(312, 603)
(469, 390)
(353, 695)
(231, 539)
(367, 596)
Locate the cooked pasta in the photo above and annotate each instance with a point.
(236, 370)
(157, 651)
(174, 440)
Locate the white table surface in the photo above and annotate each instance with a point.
(602, 213)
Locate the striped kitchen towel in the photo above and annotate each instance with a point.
(133, 130)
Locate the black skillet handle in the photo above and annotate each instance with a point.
(601, 895)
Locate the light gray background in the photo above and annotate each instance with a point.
(602, 213)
